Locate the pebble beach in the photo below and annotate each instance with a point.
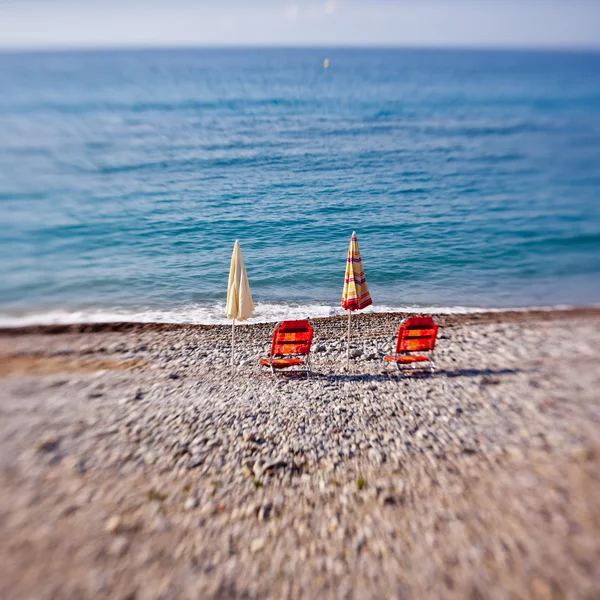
(133, 465)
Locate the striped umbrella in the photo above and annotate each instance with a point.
(356, 292)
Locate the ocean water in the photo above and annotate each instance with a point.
(472, 179)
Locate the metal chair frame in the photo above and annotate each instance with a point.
(417, 365)
(306, 368)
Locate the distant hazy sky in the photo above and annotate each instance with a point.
(154, 23)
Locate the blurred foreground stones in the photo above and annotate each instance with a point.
(133, 465)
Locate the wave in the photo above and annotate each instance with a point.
(82, 107)
(214, 314)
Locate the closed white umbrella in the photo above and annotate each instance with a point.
(239, 299)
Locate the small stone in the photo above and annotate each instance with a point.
(113, 524)
(257, 544)
(208, 509)
(160, 524)
(359, 543)
(278, 463)
(119, 546)
(69, 510)
(195, 461)
(265, 512)
(191, 503)
(49, 444)
(389, 499)
(541, 589)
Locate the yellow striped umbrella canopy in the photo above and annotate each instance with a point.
(356, 292)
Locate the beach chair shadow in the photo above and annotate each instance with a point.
(475, 372)
(490, 374)
(364, 377)
(283, 376)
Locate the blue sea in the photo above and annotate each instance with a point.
(472, 179)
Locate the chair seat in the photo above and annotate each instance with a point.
(405, 360)
(282, 363)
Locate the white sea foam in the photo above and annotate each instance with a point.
(215, 314)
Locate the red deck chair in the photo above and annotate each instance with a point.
(416, 334)
(290, 347)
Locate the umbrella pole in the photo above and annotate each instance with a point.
(348, 349)
(232, 345)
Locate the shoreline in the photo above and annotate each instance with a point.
(444, 319)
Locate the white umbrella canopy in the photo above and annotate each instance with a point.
(239, 299)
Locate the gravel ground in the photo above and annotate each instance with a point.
(132, 465)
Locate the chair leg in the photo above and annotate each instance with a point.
(399, 369)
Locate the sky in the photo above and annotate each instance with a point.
(57, 24)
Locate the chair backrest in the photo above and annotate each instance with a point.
(417, 334)
(292, 337)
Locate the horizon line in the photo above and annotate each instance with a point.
(58, 49)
